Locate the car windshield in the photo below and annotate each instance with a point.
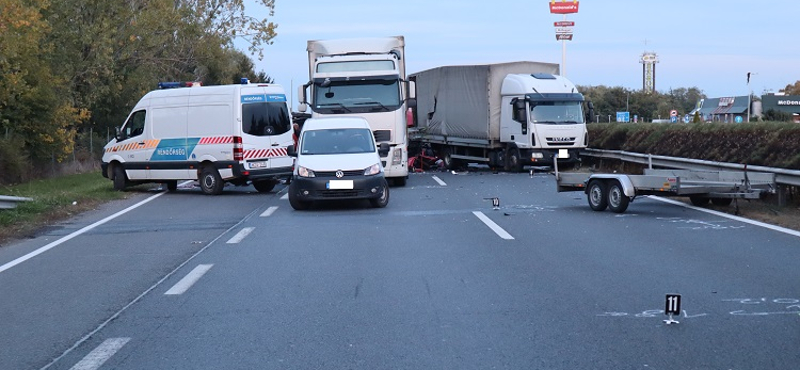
(563, 112)
(336, 141)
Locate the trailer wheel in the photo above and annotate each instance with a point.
(721, 201)
(597, 195)
(699, 200)
(617, 200)
(120, 180)
(210, 181)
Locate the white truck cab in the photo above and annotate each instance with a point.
(215, 134)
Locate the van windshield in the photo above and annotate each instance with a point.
(337, 141)
(265, 119)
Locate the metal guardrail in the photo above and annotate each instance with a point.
(782, 176)
(9, 202)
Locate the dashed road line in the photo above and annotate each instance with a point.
(285, 196)
(101, 354)
(243, 233)
(269, 211)
(497, 229)
(192, 277)
(437, 179)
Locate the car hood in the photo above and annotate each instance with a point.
(333, 162)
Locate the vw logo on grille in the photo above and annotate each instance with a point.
(339, 174)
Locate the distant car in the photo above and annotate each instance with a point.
(337, 159)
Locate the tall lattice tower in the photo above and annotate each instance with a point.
(649, 60)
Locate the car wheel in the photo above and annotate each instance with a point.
(265, 186)
(120, 181)
(383, 200)
(597, 195)
(617, 200)
(210, 181)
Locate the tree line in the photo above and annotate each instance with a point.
(646, 105)
(68, 67)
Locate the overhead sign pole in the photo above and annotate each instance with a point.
(564, 28)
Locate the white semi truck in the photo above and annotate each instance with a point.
(505, 115)
(367, 78)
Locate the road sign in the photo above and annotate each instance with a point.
(738, 119)
(686, 119)
(623, 116)
(564, 36)
(673, 119)
(673, 113)
(563, 29)
(564, 24)
(563, 7)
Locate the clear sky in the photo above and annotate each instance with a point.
(710, 45)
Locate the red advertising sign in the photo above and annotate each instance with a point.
(563, 7)
(564, 36)
(564, 24)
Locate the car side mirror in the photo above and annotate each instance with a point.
(291, 151)
(383, 149)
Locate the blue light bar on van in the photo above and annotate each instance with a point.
(244, 81)
(173, 85)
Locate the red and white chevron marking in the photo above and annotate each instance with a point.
(264, 153)
(216, 140)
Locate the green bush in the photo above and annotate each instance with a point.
(14, 162)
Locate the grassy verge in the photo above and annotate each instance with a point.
(53, 200)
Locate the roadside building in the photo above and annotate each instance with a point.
(722, 109)
(782, 103)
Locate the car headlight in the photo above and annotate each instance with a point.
(304, 172)
(373, 170)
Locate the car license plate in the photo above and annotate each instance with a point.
(340, 184)
(259, 164)
(563, 153)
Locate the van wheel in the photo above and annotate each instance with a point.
(119, 178)
(210, 181)
(597, 194)
(617, 200)
(172, 185)
(383, 200)
(265, 186)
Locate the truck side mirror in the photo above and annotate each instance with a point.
(383, 149)
(301, 96)
(519, 113)
(590, 112)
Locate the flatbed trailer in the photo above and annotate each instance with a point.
(616, 191)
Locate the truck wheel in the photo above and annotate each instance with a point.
(265, 186)
(447, 157)
(597, 195)
(210, 181)
(699, 200)
(513, 161)
(295, 202)
(383, 200)
(721, 201)
(172, 185)
(617, 200)
(119, 178)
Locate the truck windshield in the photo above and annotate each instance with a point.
(557, 112)
(356, 95)
(336, 141)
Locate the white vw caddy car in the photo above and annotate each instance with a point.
(337, 159)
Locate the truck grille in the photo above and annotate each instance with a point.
(560, 141)
(382, 135)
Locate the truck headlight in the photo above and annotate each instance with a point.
(373, 170)
(304, 172)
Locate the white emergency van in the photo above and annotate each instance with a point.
(215, 134)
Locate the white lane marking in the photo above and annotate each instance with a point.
(101, 354)
(437, 179)
(497, 229)
(731, 217)
(285, 196)
(269, 211)
(189, 280)
(243, 233)
(75, 234)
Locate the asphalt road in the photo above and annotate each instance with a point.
(436, 280)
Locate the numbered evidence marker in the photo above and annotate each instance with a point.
(673, 307)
